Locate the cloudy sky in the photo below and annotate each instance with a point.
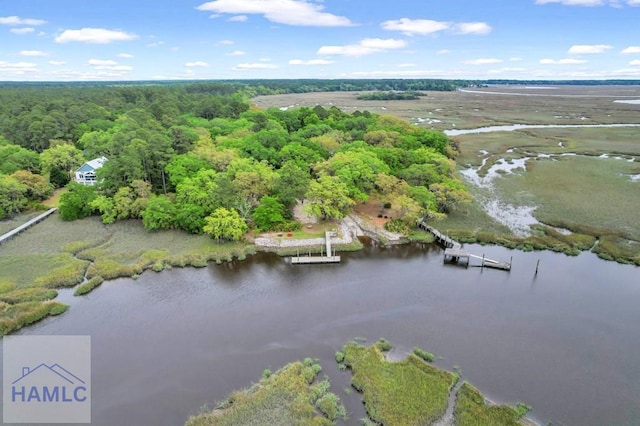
(227, 39)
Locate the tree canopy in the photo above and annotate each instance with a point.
(199, 157)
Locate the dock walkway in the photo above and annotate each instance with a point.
(454, 253)
(330, 256)
(6, 237)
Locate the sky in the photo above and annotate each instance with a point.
(85, 40)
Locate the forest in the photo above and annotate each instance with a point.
(200, 157)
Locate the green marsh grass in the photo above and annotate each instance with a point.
(14, 317)
(285, 397)
(472, 410)
(88, 286)
(57, 254)
(33, 294)
(398, 393)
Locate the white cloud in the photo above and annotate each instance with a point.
(125, 55)
(483, 61)
(265, 59)
(236, 53)
(17, 68)
(480, 28)
(196, 64)
(57, 63)
(16, 20)
(33, 53)
(108, 64)
(631, 50)
(614, 3)
(407, 65)
(515, 59)
(567, 61)
(310, 62)
(412, 27)
(443, 52)
(94, 35)
(225, 42)
(635, 62)
(20, 31)
(288, 12)
(580, 49)
(239, 18)
(259, 66)
(366, 46)
(415, 26)
(155, 44)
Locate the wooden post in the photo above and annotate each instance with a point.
(482, 260)
(510, 262)
(537, 264)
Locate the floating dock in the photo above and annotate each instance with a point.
(330, 257)
(454, 253)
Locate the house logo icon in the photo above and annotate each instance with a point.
(46, 379)
(48, 383)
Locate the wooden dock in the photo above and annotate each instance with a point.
(330, 256)
(454, 253)
(6, 237)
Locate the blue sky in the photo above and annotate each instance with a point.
(70, 40)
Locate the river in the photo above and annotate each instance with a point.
(565, 341)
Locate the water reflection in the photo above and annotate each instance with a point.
(564, 341)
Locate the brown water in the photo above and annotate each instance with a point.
(566, 342)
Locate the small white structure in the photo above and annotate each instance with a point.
(86, 174)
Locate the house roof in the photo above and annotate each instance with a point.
(94, 164)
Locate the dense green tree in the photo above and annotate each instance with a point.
(14, 158)
(291, 184)
(357, 169)
(269, 214)
(106, 207)
(200, 190)
(190, 217)
(450, 195)
(13, 196)
(328, 198)
(59, 161)
(37, 186)
(75, 203)
(159, 213)
(224, 224)
(185, 165)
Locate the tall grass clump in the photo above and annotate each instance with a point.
(472, 410)
(31, 294)
(88, 286)
(283, 398)
(14, 317)
(69, 272)
(398, 393)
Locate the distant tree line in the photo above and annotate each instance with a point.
(390, 96)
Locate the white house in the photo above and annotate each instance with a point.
(86, 174)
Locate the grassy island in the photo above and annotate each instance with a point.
(292, 395)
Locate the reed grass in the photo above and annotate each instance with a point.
(398, 393)
(472, 410)
(34, 294)
(285, 397)
(14, 317)
(88, 286)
